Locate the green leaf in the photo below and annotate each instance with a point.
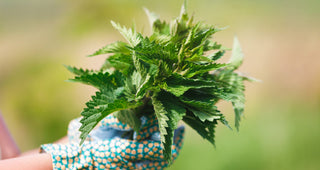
(233, 91)
(201, 104)
(200, 37)
(178, 85)
(79, 71)
(204, 115)
(205, 129)
(238, 107)
(199, 59)
(203, 110)
(119, 62)
(129, 34)
(141, 80)
(209, 45)
(216, 55)
(153, 17)
(169, 112)
(196, 69)
(160, 38)
(129, 117)
(224, 121)
(116, 47)
(101, 80)
(237, 55)
(183, 11)
(101, 105)
(152, 52)
(248, 78)
(136, 86)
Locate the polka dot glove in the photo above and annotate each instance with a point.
(108, 146)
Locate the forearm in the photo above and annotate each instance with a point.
(9, 149)
(34, 162)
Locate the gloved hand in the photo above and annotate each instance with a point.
(108, 147)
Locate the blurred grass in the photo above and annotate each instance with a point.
(286, 140)
(280, 40)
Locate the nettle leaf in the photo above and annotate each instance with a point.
(178, 85)
(195, 69)
(153, 17)
(100, 80)
(169, 111)
(160, 29)
(116, 47)
(180, 25)
(161, 39)
(210, 45)
(197, 37)
(136, 86)
(201, 104)
(203, 110)
(120, 62)
(224, 121)
(199, 59)
(173, 75)
(216, 55)
(129, 34)
(140, 80)
(238, 107)
(79, 71)
(101, 105)
(152, 52)
(237, 55)
(129, 117)
(203, 95)
(206, 129)
(233, 91)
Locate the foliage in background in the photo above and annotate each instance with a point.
(173, 74)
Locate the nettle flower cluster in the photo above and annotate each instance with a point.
(173, 74)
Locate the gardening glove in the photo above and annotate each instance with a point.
(108, 147)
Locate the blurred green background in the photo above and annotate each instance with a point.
(280, 38)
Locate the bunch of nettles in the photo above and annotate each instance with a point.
(174, 74)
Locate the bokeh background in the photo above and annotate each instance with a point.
(280, 38)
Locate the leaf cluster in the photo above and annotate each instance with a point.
(174, 74)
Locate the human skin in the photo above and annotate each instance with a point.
(30, 160)
(11, 157)
(34, 161)
(9, 149)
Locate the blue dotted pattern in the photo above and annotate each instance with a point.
(106, 148)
